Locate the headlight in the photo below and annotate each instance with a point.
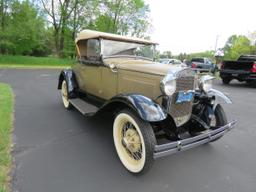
(168, 85)
(205, 83)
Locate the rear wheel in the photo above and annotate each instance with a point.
(226, 81)
(134, 141)
(64, 95)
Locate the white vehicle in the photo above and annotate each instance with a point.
(172, 62)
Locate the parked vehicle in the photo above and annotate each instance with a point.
(203, 65)
(244, 69)
(170, 61)
(158, 109)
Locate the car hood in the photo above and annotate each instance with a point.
(143, 66)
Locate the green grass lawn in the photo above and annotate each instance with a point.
(6, 119)
(13, 61)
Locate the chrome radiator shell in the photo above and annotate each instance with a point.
(181, 112)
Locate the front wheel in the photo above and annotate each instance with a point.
(134, 141)
(219, 119)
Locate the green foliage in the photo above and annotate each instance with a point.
(130, 17)
(236, 46)
(25, 32)
(126, 17)
(165, 54)
(6, 110)
(207, 54)
(34, 61)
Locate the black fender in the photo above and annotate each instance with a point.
(146, 108)
(69, 76)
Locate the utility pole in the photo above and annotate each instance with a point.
(216, 42)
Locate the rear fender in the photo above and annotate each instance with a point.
(69, 76)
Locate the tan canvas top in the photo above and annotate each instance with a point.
(90, 34)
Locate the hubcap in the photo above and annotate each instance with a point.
(131, 141)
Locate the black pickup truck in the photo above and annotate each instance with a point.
(244, 69)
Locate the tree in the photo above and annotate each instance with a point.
(67, 17)
(3, 24)
(165, 54)
(236, 46)
(125, 17)
(59, 12)
(252, 37)
(24, 33)
(26, 28)
(3, 13)
(39, 26)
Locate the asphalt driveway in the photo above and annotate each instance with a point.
(61, 151)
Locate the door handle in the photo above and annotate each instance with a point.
(113, 68)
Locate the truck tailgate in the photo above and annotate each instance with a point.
(238, 65)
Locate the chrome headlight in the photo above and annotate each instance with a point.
(168, 85)
(205, 83)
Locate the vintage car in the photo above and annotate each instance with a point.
(158, 109)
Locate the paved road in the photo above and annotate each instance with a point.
(59, 150)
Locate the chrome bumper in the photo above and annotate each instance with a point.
(184, 144)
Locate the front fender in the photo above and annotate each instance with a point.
(219, 94)
(69, 76)
(146, 108)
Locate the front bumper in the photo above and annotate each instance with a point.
(184, 144)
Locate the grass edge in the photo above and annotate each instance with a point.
(6, 186)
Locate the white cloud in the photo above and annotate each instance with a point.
(193, 25)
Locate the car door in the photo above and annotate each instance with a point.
(89, 70)
(109, 81)
(91, 77)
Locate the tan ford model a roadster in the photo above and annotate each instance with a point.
(158, 109)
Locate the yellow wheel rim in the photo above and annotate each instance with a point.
(64, 94)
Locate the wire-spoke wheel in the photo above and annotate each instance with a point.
(134, 141)
(64, 95)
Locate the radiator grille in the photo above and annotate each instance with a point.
(181, 112)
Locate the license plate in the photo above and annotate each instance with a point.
(184, 96)
(235, 75)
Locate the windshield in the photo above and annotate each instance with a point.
(118, 48)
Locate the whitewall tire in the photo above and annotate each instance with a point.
(134, 141)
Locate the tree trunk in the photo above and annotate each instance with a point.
(2, 14)
(62, 41)
(56, 42)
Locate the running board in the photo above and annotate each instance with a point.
(84, 107)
